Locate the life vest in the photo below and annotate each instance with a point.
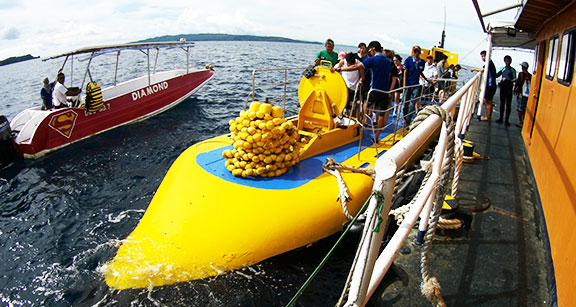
(93, 97)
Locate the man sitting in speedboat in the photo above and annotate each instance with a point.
(60, 92)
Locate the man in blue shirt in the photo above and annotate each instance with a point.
(380, 70)
(413, 67)
(490, 85)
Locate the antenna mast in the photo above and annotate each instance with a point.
(443, 30)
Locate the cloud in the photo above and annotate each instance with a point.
(11, 33)
(397, 26)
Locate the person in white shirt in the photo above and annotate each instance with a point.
(431, 74)
(59, 94)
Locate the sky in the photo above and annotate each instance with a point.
(45, 28)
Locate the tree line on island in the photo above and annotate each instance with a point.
(16, 59)
(223, 37)
(188, 37)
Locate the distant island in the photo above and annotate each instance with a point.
(16, 59)
(188, 37)
(223, 37)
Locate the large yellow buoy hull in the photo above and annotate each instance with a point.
(200, 225)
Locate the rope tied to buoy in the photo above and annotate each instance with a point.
(333, 168)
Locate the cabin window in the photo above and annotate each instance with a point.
(566, 63)
(552, 57)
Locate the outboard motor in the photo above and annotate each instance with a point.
(7, 150)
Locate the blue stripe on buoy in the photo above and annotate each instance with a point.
(296, 176)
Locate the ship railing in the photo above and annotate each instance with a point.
(400, 110)
(369, 267)
(285, 91)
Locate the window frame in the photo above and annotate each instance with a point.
(552, 57)
(566, 58)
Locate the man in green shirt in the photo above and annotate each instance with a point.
(328, 54)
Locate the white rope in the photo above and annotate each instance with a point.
(400, 213)
(343, 195)
(459, 157)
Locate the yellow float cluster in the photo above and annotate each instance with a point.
(265, 143)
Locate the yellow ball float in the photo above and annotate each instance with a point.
(265, 143)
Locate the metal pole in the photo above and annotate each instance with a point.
(156, 59)
(116, 69)
(71, 69)
(187, 59)
(285, 88)
(148, 64)
(485, 75)
(87, 70)
(439, 153)
(363, 268)
(502, 9)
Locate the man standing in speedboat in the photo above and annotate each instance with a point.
(381, 69)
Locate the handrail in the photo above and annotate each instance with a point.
(368, 270)
(400, 106)
(284, 84)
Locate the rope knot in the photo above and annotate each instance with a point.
(432, 291)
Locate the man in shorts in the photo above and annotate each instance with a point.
(380, 70)
(491, 85)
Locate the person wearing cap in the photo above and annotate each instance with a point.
(506, 87)
(413, 68)
(380, 70)
(328, 54)
(522, 89)
(430, 74)
(490, 85)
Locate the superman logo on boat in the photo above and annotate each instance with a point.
(64, 122)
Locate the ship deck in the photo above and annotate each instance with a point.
(499, 257)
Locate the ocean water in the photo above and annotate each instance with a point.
(62, 216)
